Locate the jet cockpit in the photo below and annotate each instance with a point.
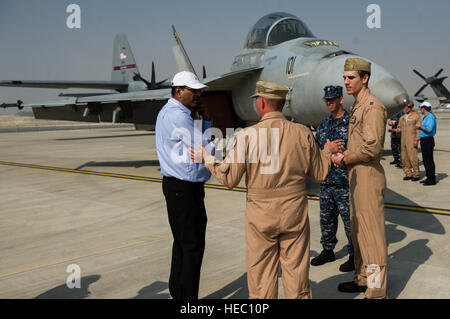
(276, 28)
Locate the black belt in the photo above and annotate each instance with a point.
(169, 178)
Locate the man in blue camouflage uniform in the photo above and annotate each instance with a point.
(396, 140)
(334, 190)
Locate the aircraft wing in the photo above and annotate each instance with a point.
(421, 98)
(136, 107)
(140, 107)
(229, 80)
(105, 85)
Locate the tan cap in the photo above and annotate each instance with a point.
(271, 90)
(356, 64)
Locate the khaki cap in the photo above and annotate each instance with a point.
(356, 64)
(271, 90)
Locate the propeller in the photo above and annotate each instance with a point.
(153, 75)
(427, 80)
(204, 72)
(421, 89)
(152, 85)
(18, 104)
(439, 72)
(417, 72)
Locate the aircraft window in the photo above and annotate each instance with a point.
(287, 30)
(284, 27)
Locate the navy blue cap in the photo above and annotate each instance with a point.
(332, 92)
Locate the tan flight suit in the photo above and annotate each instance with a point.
(276, 220)
(366, 132)
(410, 134)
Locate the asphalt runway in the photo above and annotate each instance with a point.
(92, 198)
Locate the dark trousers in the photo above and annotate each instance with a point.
(396, 147)
(187, 219)
(334, 201)
(427, 146)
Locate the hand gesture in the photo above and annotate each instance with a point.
(335, 146)
(337, 159)
(198, 156)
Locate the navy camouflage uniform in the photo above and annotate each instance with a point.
(396, 138)
(334, 190)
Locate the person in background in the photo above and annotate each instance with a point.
(427, 131)
(396, 140)
(409, 142)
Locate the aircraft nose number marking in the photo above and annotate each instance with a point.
(290, 65)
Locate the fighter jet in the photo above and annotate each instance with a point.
(279, 48)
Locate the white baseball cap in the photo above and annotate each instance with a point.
(189, 79)
(425, 105)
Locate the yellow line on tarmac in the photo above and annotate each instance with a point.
(237, 189)
(418, 209)
(47, 263)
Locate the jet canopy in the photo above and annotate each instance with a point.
(276, 28)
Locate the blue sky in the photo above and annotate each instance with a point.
(38, 45)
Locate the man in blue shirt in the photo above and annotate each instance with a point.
(334, 190)
(183, 182)
(427, 130)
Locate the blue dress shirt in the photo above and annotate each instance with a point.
(428, 122)
(176, 132)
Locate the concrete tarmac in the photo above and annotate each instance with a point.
(116, 229)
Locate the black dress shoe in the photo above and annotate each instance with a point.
(415, 179)
(429, 183)
(349, 265)
(406, 178)
(325, 256)
(424, 181)
(394, 162)
(351, 287)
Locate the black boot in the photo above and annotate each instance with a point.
(351, 286)
(349, 265)
(324, 257)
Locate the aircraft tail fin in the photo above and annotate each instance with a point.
(181, 57)
(124, 65)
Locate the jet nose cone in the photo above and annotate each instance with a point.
(388, 89)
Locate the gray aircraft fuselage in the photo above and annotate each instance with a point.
(307, 65)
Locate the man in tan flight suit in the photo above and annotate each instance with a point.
(366, 132)
(276, 155)
(409, 142)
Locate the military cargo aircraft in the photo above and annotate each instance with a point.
(125, 76)
(279, 47)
